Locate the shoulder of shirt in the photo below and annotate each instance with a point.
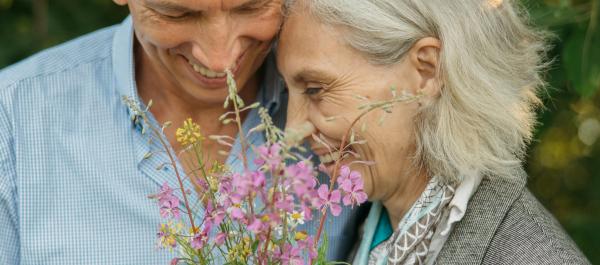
(88, 48)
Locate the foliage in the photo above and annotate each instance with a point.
(564, 160)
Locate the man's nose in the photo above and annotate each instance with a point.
(217, 47)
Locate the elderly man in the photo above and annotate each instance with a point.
(73, 178)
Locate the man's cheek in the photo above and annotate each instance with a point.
(165, 38)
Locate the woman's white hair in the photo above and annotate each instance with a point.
(490, 64)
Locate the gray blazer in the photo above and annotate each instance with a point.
(505, 224)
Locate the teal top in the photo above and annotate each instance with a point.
(377, 229)
(383, 231)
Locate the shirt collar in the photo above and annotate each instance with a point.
(123, 59)
(458, 204)
(272, 86)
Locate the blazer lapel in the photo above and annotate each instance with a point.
(487, 208)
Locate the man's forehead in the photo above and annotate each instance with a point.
(205, 4)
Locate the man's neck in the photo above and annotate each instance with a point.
(169, 105)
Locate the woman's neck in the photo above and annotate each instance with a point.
(405, 195)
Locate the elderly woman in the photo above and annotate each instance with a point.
(447, 185)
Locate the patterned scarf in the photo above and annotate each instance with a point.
(409, 244)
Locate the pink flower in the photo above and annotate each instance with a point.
(352, 185)
(290, 255)
(169, 208)
(301, 177)
(220, 238)
(199, 240)
(329, 199)
(256, 226)
(214, 217)
(355, 197)
(257, 178)
(269, 155)
(168, 202)
(286, 204)
(236, 213)
(308, 245)
(241, 183)
(347, 178)
(306, 210)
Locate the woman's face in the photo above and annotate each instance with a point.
(325, 78)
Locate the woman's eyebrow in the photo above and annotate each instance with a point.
(309, 74)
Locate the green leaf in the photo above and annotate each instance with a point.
(255, 246)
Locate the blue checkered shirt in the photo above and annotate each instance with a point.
(74, 183)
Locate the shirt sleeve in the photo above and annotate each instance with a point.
(9, 224)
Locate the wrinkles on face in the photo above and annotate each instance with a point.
(309, 51)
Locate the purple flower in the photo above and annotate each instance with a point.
(329, 199)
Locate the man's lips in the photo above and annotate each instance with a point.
(210, 78)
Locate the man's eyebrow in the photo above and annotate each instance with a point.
(313, 75)
(168, 6)
(253, 3)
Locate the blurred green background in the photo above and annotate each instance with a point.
(563, 162)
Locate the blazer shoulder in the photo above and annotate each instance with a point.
(529, 234)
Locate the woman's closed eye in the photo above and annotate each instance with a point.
(312, 91)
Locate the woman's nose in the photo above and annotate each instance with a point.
(298, 125)
(298, 132)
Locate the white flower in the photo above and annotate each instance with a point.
(296, 218)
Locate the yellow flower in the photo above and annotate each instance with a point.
(213, 183)
(300, 236)
(168, 234)
(189, 133)
(265, 218)
(240, 251)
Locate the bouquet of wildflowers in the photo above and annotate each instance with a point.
(251, 217)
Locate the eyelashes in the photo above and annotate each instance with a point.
(312, 91)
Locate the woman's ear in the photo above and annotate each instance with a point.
(120, 2)
(425, 58)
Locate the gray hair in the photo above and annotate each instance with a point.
(490, 65)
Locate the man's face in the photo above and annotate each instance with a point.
(190, 43)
